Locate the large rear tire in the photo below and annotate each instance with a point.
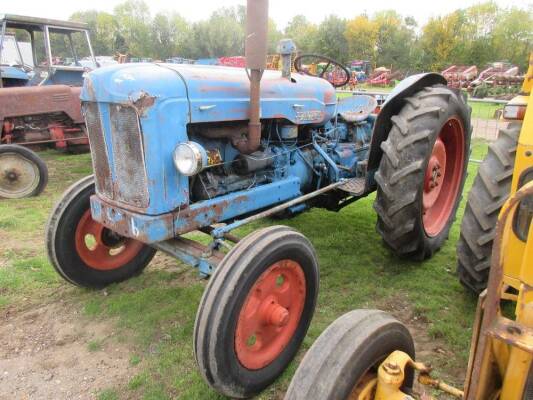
(490, 190)
(422, 173)
(82, 250)
(255, 311)
(22, 172)
(346, 356)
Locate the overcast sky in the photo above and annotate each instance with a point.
(280, 10)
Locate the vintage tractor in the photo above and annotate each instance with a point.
(369, 355)
(39, 97)
(182, 148)
(498, 177)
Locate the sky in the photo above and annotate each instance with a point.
(280, 10)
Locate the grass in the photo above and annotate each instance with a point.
(155, 311)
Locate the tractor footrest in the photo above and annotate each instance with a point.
(354, 186)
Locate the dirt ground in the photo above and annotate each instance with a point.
(52, 352)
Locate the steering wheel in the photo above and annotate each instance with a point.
(329, 62)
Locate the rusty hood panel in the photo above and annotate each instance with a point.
(35, 100)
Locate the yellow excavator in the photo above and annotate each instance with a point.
(369, 355)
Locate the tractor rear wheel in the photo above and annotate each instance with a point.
(490, 190)
(255, 311)
(343, 362)
(82, 250)
(422, 173)
(22, 172)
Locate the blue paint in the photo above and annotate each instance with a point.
(8, 72)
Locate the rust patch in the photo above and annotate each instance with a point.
(142, 102)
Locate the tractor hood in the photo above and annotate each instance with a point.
(214, 93)
(9, 72)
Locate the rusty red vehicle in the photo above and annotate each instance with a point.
(42, 65)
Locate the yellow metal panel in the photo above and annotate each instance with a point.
(528, 81)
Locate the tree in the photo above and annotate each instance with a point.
(361, 35)
(330, 38)
(440, 40)
(303, 33)
(221, 35)
(133, 19)
(169, 35)
(513, 36)
(394, 41)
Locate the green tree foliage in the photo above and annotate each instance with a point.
(361, 35)
(477, 35)
(303, 32)
(330, 40)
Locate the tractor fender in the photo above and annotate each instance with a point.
(394, 103)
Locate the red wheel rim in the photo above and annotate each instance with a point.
(270, 314)
(443, 176)
(100, 248)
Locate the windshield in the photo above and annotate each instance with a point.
(10, 53)
(69, 48)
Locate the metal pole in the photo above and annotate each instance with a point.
(221, 231)
(2, 47)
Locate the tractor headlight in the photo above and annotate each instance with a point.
(189, 158)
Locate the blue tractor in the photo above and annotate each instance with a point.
(182, 148)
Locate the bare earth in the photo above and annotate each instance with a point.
(44, 354)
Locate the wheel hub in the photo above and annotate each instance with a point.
(18, 175)
(443, 177)
(101, 248)
(12, 175)
(270, 314)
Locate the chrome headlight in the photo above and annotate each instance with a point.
(189, 158)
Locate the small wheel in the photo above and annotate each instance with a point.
(22, 172)
(343, 362)
(255, 311)
(82, 250)
(490, 190)
(422, 172)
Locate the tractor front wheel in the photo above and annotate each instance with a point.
(83, 251)
(22, 172)
(343, 362)
(255, 311)
(422, 172)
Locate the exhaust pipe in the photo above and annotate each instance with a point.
(255, 52)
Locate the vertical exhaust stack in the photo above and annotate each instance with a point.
(256, 52)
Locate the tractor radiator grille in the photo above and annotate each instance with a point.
(125, 179)
(98, 149)
(128, 156)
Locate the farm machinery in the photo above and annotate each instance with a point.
(183, 148)
(39, 97)
(368, 354)
(460, 76)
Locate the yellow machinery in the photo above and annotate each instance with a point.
(369, 355)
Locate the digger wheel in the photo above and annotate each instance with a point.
(422, 172)
(22, 172)
(82, 250)
(343, 362)
(255, 311)
(490, 190)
